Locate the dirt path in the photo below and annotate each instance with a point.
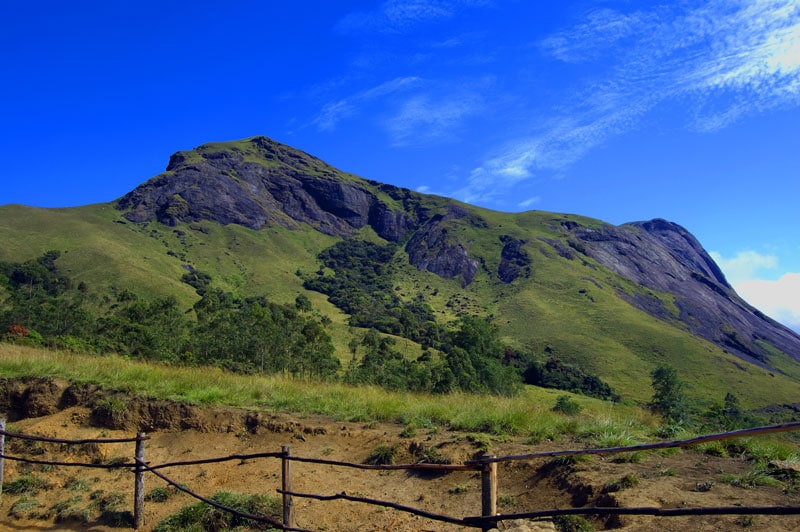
(178, 432)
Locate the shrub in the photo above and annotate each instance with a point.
(668, 395)
(70, 510)
(572, 523)
(757, 476)
(24, 507)
(408, 432)
(458, 490)
(75, 484)
(567, 406)
(18, 330)
(427, 455)
(382, 455)
(108, 505)
(160, 494)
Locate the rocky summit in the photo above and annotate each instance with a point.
(265, 182)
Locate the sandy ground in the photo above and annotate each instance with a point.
(667, 480)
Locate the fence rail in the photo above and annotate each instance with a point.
(487, 466)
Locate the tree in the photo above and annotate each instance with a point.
(302, 303)
(731, 406)
(668, 397)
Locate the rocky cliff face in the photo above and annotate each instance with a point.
(664, 256)
(261, 184)
(434, 248)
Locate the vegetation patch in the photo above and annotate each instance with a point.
(253, 334)
(27, 484)
(110, 412)
(382, 455)
(626, 482)
(25, 508)
(204, 517)
(758, 476)
(160, 494)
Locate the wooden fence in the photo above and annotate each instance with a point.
(486, 465)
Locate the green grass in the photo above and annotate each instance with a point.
(758, 476)
(27, 484)
(528, 414)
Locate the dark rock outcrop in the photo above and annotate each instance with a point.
(434, 248)
(262, 184)
(513, 259)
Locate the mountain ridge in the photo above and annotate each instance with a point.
(255, 215)
(295, 187)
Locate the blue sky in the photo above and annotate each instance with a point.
(617, 110)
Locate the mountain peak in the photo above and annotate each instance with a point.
(258, 182)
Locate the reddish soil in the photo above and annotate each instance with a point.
(180, 433)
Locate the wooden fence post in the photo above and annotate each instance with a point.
(138, 488)
(286, 485)
(489, 491)
(2, 452)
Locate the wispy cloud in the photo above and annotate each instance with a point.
(427, 117)
(722, 60)
(601, 30)
(413, 110)
(528, 203)
(562, 141)
(333, 112)
(400, 16)
(429, 106)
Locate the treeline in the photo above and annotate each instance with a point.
(44, 307)
(41, 306)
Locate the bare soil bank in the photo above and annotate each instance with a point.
(181, 432)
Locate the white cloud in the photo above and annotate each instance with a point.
(332, 113)
(562, 141)
(587, 40)
(778, 299)
(750, 64)
(744, 265)
(529, 202)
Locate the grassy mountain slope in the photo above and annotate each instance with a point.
(560, 304)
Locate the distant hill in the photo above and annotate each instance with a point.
(259, 217)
